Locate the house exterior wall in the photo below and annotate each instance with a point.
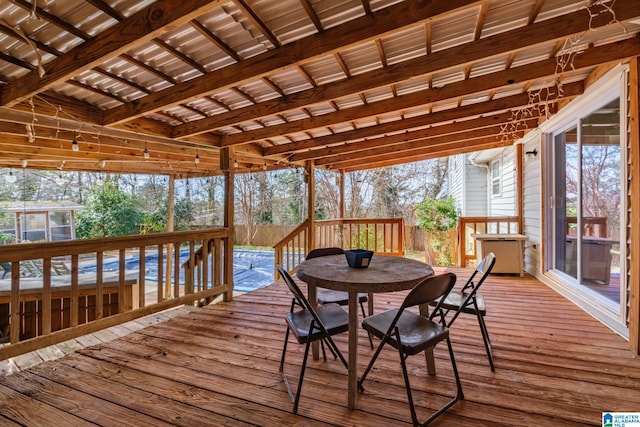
(504, 204)
(467, 186)
(455, 177)
(476, 189)
(532, 204)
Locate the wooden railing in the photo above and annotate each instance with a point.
(39, 308)
(467, 226)
(204, 269)
(383, 236)
(290, 251)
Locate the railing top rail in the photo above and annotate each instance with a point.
(22, 251)
(293, 233)
(488, 219)
(359, 220)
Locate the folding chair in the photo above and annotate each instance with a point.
(329, 296)
(309, 325)
(467, 300)
(411, 334)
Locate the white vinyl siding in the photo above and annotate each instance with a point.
(467, 186)
(504, 204)
(455, 177)
(532, 203)
(476, 190)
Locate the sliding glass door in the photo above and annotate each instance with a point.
(587, 203)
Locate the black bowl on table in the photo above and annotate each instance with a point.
(358, 258)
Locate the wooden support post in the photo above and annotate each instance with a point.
(520, 187)
(343, 205)
(311, 204)
(227, 162)
(634, 209)
(170, 227)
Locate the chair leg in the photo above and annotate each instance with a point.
(459, 393)
(487, 340)
(370, 365)
(284, 350)
(336, 351)
(301, 377)
(363, 316)
(405, 374)
(324, 353)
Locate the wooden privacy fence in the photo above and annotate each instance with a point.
(383, 236)
(103, 287)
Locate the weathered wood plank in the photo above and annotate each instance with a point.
(555, 365)
(24, 410)
(75, 400)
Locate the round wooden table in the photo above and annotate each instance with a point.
(384, 274)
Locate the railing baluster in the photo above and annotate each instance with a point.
(46, 298)
(122, 253)
(189, 276)
(206, 245)
(75, 292)
(142, 275)
(176, 269)
(160, 267)
(99, 285)
(14, 321)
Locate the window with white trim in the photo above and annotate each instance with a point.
(496, 185)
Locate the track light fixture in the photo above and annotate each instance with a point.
(145, 153)
(74, 143)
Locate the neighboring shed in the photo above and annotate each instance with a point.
(37, 221)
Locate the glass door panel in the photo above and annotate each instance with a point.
(566, 199)
(601, 201)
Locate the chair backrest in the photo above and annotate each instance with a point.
(318, 252)
(299, 298)
(430, 289)
(470, 289)
(483, 269)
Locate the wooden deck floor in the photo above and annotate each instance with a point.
(218, 365)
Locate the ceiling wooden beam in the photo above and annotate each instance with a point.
(513, 102)
(456, 147)
(368, 27)
(451, 150)
(100, 4)
(142, 26)
(422, 145)
(478, 127)
(499, 44)
(69, 124)
(405, 70)
(60, 138)
(541, 69)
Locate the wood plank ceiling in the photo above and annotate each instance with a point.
(348, 84)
